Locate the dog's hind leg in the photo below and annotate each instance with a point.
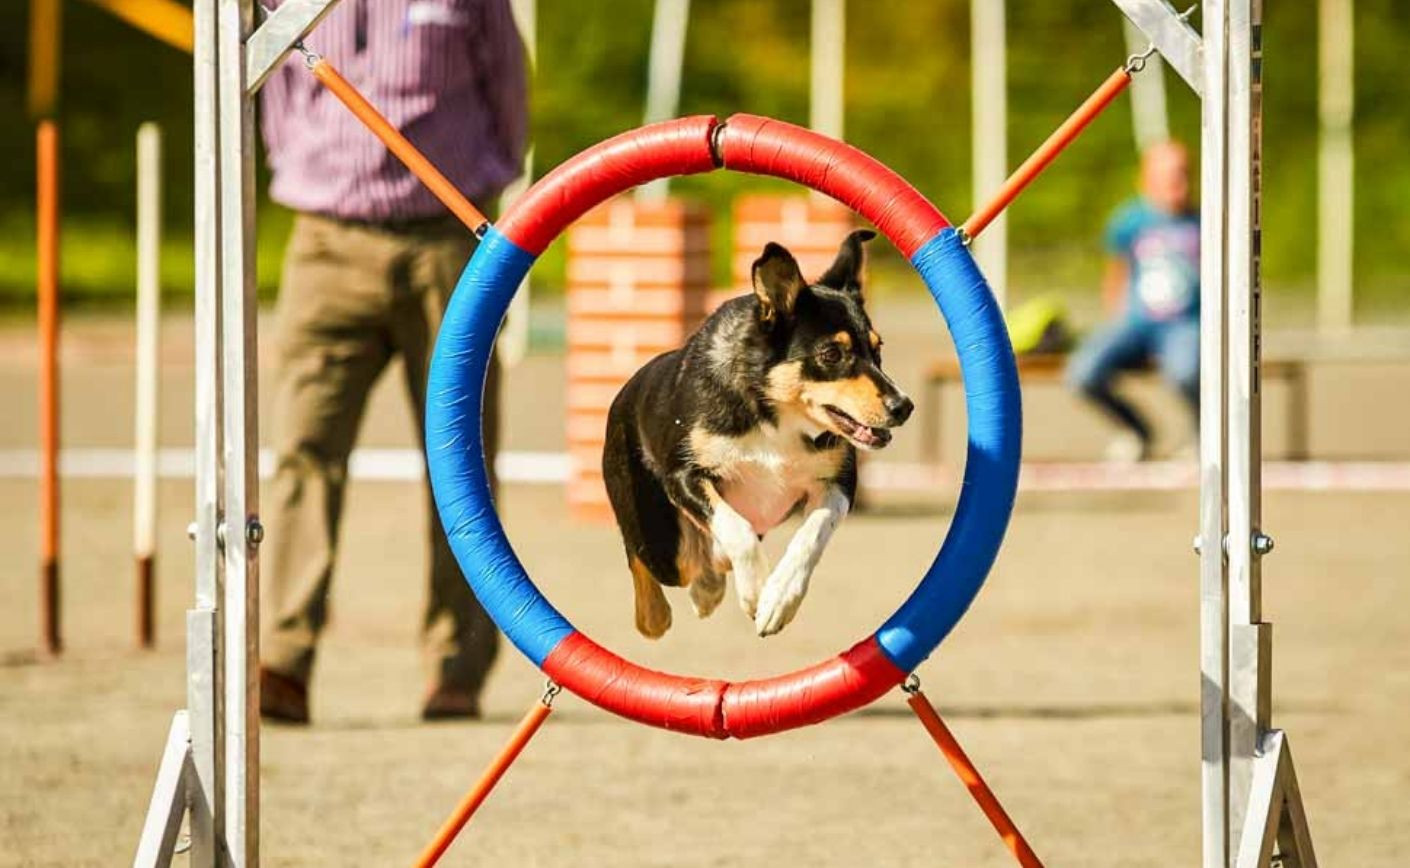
(698, 569)
(653, 610)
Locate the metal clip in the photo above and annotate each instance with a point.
(911, 686)
(311, 57)
(551, 689)
(1137, 62)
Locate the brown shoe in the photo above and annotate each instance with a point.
(450, 703)
(282, 697)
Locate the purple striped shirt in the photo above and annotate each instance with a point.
(448, 73)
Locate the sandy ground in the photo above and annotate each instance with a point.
(1073, 682)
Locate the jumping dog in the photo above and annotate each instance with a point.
(758, 416)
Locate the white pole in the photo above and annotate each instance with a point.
(1335, 182)
(149, 295)
(828, 63)
(663, 76)
(513, 343)
(1149, 117)
(988, 78)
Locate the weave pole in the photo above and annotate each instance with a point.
(970, 777)
(472, 801)
(1055, 144)
(147, 413)
(47, 289)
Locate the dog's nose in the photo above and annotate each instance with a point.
(900, 407)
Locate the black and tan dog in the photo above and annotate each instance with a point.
(758, 416)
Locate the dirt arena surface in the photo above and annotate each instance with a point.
(1072, 683)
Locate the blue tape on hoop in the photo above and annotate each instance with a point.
(991, 468)
(456, 452)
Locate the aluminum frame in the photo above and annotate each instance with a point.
(1251, 800)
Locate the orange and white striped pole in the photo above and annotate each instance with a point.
(47, 279)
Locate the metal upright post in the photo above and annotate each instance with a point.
(1264, 804)
(1248, 659)
(1213, 599)
(218, 786)
(242, 533)
(203, 646)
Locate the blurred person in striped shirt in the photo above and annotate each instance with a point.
(369, 268)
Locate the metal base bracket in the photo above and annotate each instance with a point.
(168, 807)
(1276, 825)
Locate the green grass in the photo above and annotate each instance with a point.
(98, 260)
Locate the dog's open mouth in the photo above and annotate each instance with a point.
(864, 436)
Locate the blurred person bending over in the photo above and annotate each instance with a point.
(1151, 282)
(369, 268)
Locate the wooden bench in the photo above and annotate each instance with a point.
(1050, 367)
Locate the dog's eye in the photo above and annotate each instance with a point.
(831, 354)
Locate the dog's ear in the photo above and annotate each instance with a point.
(777, 282)
(845, 273)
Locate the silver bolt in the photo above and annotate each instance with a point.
(191, 531)
(254, 532)
(1262, 543)
(220, 534)
(1198, 545)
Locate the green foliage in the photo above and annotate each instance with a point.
(907, 101)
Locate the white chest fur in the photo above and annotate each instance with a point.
(766, 472)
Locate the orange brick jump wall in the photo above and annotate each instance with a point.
(810, 226)
(638, 285)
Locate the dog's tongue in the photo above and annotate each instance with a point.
(871, 436)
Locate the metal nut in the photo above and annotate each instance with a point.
(254, 532)
(191, 531)
(1262, 543)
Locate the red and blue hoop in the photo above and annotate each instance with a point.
(703, 706)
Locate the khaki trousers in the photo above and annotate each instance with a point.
(351, 297)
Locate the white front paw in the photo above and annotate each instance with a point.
(750, 569)
(781, 597)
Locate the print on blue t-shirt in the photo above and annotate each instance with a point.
(1162, 254)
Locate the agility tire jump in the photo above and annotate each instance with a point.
(705, 706)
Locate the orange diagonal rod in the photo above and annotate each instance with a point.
(397, 143)
(1048, 151)
(971, 778)
(481, 791)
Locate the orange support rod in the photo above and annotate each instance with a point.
(47, 278)
(1048, 151)
(397, 143)
(481, 791)
(968, 774)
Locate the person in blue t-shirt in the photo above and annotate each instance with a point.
(1152, 278)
